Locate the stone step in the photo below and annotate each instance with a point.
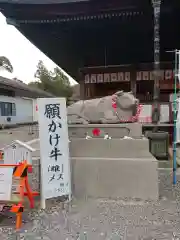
(114, 178)
(113, 148)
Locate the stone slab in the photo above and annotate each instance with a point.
(112, 148)
(133, 130)
(109, 178)
(115, 178)
(103, 148)
(115, 168)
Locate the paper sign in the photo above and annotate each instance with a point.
(54, 147)
(5, 183)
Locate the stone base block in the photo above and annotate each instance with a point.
(115, 178)
(133, 130)
(112, 148)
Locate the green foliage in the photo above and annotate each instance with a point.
(54, 82)
(6, 64)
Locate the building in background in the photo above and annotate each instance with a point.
(18, 102)
(138, 79)
(107, 45)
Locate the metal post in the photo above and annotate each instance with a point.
(175, 118)
(156, 110)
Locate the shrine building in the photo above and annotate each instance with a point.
(105, 45)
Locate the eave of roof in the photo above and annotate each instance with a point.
(19, 85)
(41, 1)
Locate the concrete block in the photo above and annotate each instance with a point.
(116, 168)
(133, 130)
(115, 178)
(113, 148)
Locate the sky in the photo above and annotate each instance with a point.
(23, 55)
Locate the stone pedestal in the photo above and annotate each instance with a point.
(113, 148)
(133, 130)
(113, 169)
(116, 168)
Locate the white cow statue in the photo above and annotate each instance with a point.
(117, 108)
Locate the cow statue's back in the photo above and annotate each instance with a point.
(117, 108)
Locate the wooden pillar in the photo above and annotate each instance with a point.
(92, 90)
(87, 91)
(82, 85)
(133, 82)
(82, 90)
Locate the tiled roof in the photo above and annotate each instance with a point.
(22, 86)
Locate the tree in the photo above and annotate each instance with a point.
(6, 64)
(54, 82)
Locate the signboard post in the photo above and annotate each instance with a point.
(54, 148)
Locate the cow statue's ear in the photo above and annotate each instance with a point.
(119, 93)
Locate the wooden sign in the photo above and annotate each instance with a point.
(145, 75)
(114, 77)
(87, 79)
(100, 78)
(126, 76)
(93, 78)
(107, 77)
(120, 77)
(149, 75)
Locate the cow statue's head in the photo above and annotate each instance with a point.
(126, 101)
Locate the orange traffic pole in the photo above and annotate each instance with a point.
(29, 193)
(21, 172)
(18, 220)
(18, 209)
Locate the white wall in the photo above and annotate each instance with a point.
(147, 112)
(24, 110)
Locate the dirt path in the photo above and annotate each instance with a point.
(100, 219)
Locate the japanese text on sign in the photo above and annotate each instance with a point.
(54, 146)
(52, 111)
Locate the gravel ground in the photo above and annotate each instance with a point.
(106, 219)
(127, 219)
(22, 133)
